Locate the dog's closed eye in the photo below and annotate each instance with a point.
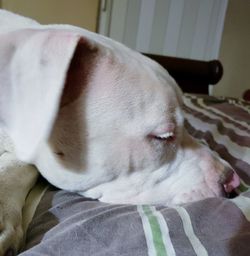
(168, 136)
(59, 154)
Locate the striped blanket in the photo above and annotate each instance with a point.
(68, 224)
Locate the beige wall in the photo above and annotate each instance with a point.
(81, 13)
(235, 50)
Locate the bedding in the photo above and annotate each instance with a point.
(68, 224)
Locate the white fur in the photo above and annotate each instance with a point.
(121, 140)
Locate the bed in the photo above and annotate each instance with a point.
(68, 224)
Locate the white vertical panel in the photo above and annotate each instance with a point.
(145, 25)
(173, 27)
(215, 48)
(159, 26)
(212, 30)
(132, 21)
(104, 17)
(216, 29)
(182, 28)
(187, 28)
(201, 29)
(118, 19)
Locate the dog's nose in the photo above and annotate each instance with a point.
(229, 179)
(225, 175)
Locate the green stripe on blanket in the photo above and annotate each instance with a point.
(243, 187)
(156, 231)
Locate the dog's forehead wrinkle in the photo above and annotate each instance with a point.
(127, 88)
(125, 94)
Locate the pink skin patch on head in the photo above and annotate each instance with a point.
(232, 182)
(166, 128)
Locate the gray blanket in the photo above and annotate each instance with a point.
(68, 224)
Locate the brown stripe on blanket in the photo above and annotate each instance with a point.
(210, 98)
(221, 114)
(240, 103)
(218, 99)
(234, 112)
(236, 138)
(220, 226)
(223, 117)
(242, 168)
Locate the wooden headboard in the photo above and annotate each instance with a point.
(193, 76)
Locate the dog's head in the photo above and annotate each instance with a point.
(98, 117)
(119, 113)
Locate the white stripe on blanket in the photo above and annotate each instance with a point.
(188, 228)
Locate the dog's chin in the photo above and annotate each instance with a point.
(124, 192)
(170, 202)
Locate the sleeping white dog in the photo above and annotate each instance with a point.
(96, 118)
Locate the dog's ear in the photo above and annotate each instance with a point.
(80, 70)
(37, 67)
